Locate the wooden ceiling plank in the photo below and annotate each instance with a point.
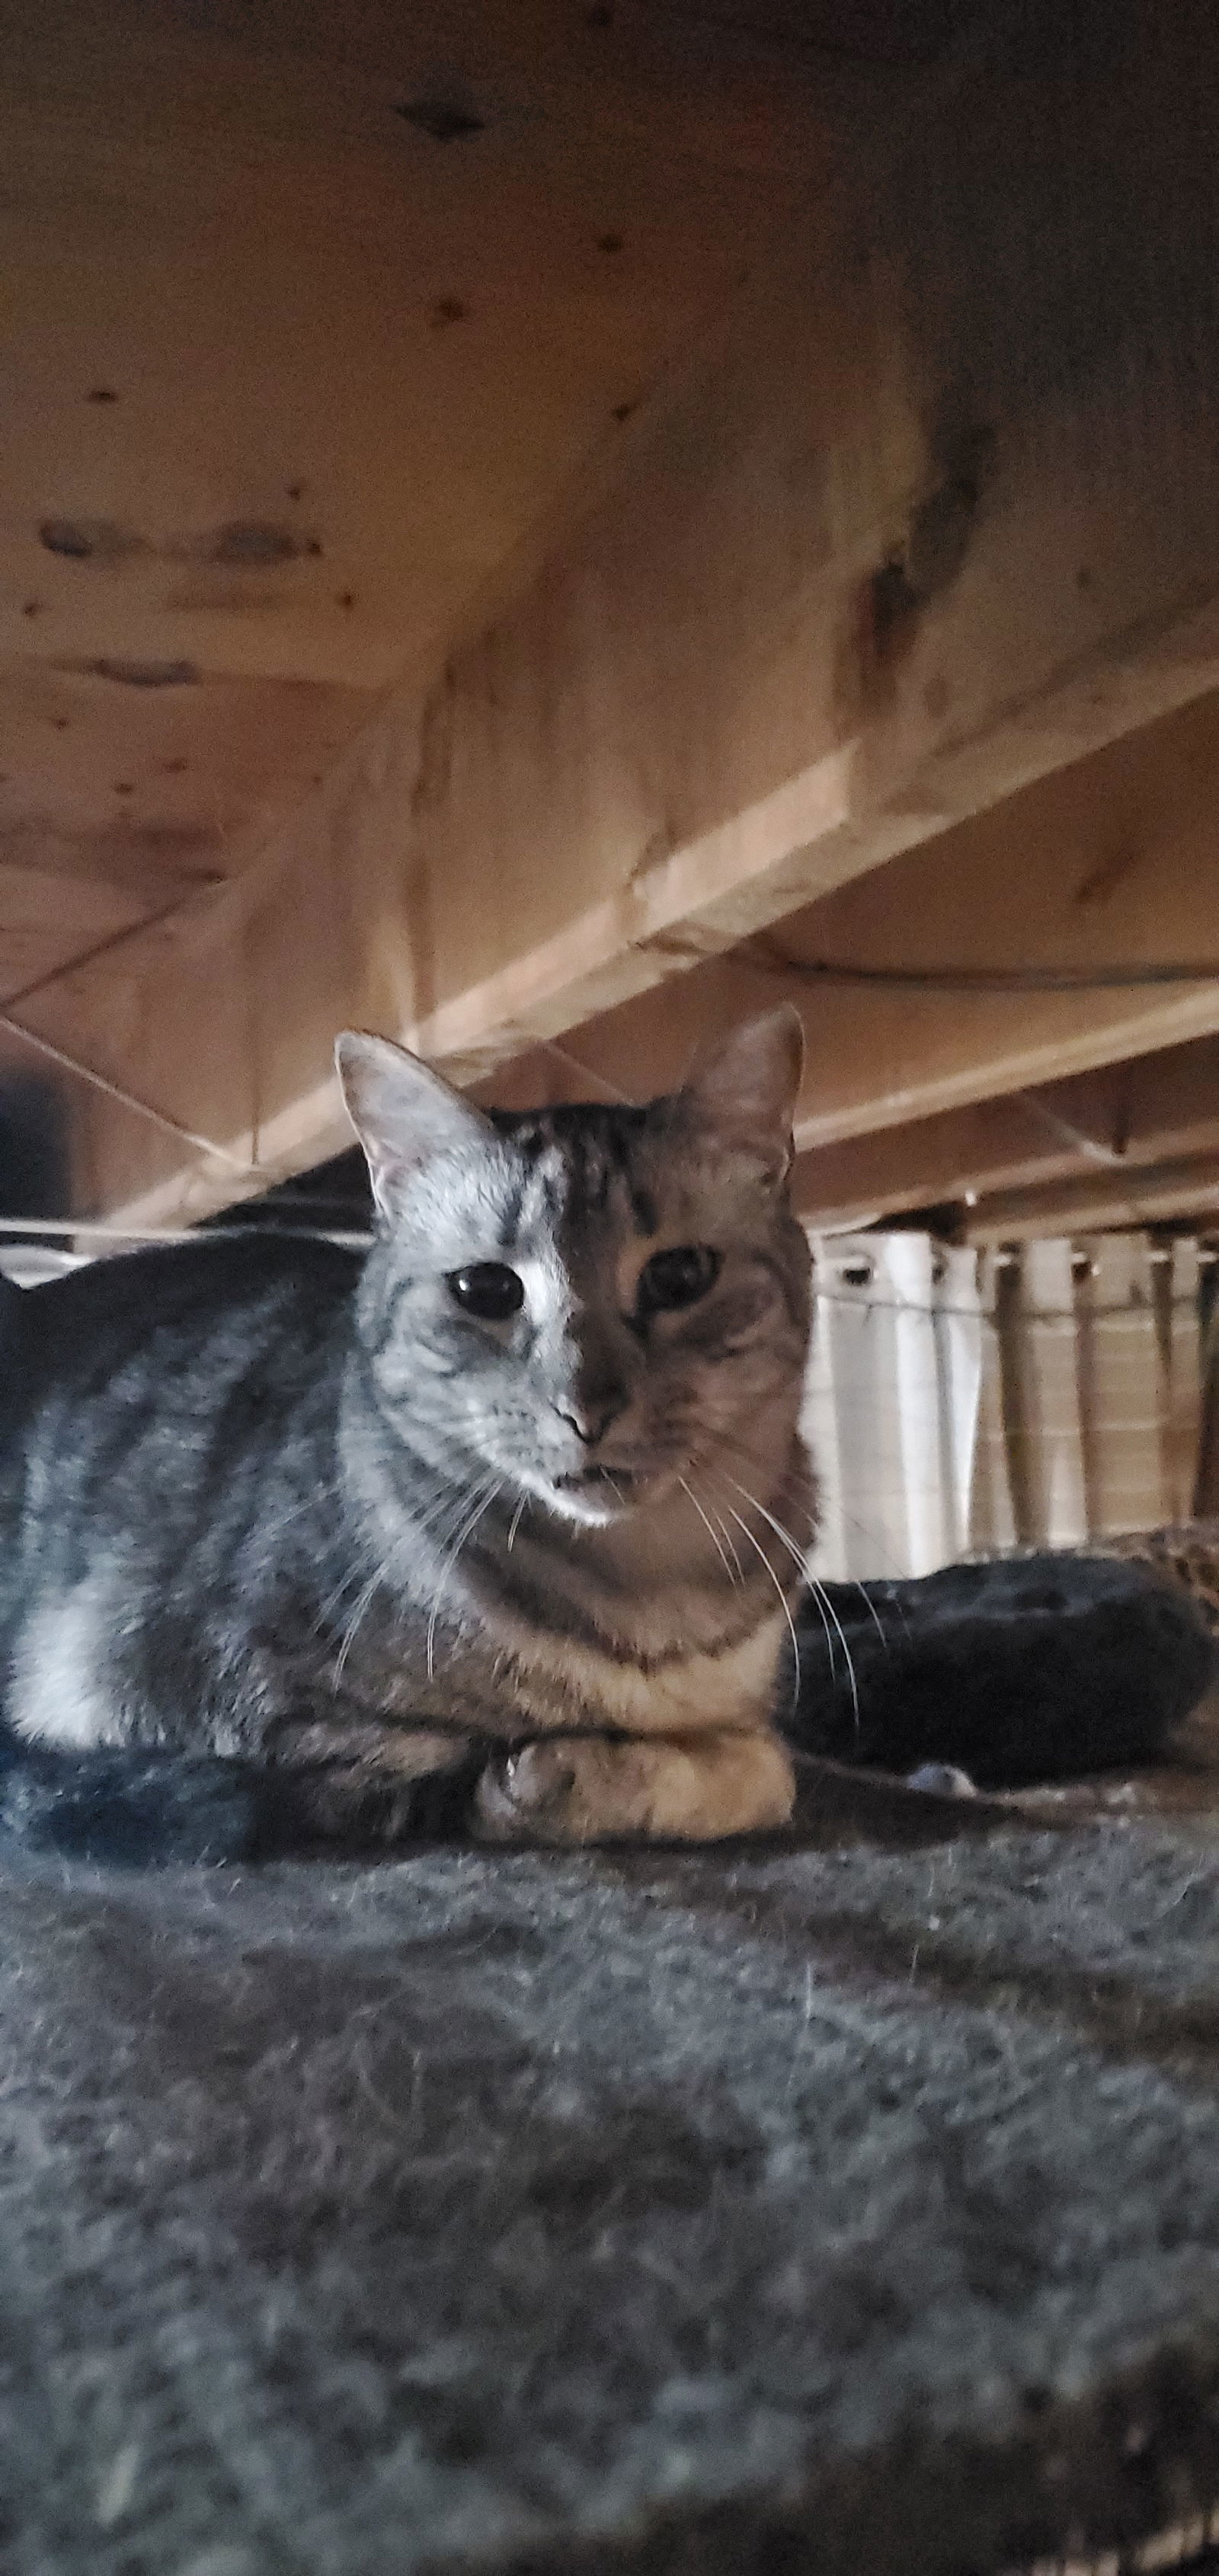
(1155, 1195)
(1107, 862)
(267, 428)
(1151, 1110)
(936, 516)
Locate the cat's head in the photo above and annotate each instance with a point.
(585, 1302)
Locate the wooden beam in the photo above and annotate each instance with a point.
(1110, 864)
(1150, 1109)
(935, 1161)
(936, 514)
(269, 433)
(1155, 1194)
(1109, 861)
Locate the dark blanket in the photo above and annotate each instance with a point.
(829, 2209)
(848, 2202)
(1031, 1668)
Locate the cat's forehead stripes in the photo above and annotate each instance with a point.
(579, 1162)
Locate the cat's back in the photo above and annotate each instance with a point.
(167, 1413)
(156, 1390)
(224, 1302)
(186, 1348)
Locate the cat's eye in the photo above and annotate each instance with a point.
(488, 1289)
(677, 1278)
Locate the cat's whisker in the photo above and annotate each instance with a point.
(815, 1596)
(270, 1527)
(692, 1497)
(515, 1522)
(820, 1595)
(726, 1535)
(363, 1604)
(870, 1606)
(824, 1603)
(759, 1550)
(798, 1554)
(444, 1517)
(466, 1531)
(421, 1523)
(327, 1608)
(438, 1524)
(806, 1510)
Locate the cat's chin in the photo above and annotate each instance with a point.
(599, 1496)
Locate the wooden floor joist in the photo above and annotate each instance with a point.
(1149, 1110)
(1186, 1192)
(935, 516)
(1108, 863)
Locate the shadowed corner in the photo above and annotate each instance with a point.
(35, 1179)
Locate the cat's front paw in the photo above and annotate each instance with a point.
(586, 1789)
(529, 1796)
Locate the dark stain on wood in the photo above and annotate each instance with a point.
(90, 540)
(251, 541)
(887, 612)
(1110, 871)
(145, 675)
(444, 120)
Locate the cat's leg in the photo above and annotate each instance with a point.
(597, 1788)
(363, 1782)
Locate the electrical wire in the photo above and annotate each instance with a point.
(989, 979)
(127, 1099)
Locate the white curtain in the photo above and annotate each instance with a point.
(960, 1403)
(891, 1412)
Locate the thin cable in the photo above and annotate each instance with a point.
(90, 956)
(987, 979)
(1091, 1147)
(126, 1099)
(586, 1072)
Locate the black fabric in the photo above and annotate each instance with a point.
(1033, 1668)
(790, 2210)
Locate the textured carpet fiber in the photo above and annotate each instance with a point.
(811, 2208)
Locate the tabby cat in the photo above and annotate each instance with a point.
(518, 1497)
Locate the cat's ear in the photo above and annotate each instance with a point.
(744, 1088)
(402, 1112)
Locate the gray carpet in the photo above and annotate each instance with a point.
(810, 2208)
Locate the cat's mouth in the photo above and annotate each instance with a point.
(623, 1481)
(600, 1494)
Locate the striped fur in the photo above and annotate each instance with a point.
(266, 1500)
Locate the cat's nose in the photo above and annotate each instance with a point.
(591, 1419)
